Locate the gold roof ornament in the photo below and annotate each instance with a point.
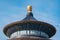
(29, 8)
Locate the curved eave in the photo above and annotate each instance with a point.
(38, 22)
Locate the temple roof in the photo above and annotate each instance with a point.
(30, 19)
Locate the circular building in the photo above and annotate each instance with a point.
(29, 29)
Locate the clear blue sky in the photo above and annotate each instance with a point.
(43, 10)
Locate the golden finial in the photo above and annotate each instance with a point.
(29, 8)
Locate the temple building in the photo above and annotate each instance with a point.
(29, 29)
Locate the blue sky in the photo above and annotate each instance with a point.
(43, 10)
